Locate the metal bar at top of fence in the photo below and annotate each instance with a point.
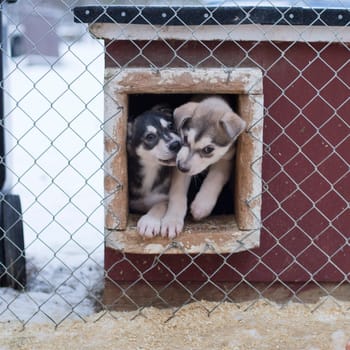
(212, 15)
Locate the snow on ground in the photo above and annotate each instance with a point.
(54, 157)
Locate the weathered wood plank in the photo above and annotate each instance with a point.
(115, 163)
(215, 235)
(248, 163)
(180, 80)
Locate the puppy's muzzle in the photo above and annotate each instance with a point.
(182, 167)
(174, 146)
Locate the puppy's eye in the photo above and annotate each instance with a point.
(171, 126)
(207, 150)
(150, 137)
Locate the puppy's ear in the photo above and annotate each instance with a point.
(129, 138)
(130, 130)
(184, 113)
(163, 108)
(233, 125)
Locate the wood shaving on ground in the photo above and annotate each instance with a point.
(200, 325)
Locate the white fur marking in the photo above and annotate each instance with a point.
(164, 123)
(183, 153)
(191, 135)
(151, 128)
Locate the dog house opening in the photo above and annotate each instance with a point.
(139, 103)
(234, 224)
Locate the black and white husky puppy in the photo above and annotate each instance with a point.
(152, 147)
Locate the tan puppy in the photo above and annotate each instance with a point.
(208, 130)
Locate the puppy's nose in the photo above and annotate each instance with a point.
(175, 146)
(182, 168)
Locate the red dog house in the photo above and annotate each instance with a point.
(287, 72)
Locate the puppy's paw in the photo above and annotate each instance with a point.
(201, 208)
(171, 226)
(148, 226)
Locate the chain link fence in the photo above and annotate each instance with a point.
(55, 131)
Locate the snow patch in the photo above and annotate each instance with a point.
(54, 155)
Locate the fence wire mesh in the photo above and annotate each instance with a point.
(54, 126)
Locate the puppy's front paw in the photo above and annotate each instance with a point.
(148, 226)
(171, 226)
(201, 208)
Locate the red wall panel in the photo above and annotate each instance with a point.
(305, 208)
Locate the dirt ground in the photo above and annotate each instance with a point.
(200, 325)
